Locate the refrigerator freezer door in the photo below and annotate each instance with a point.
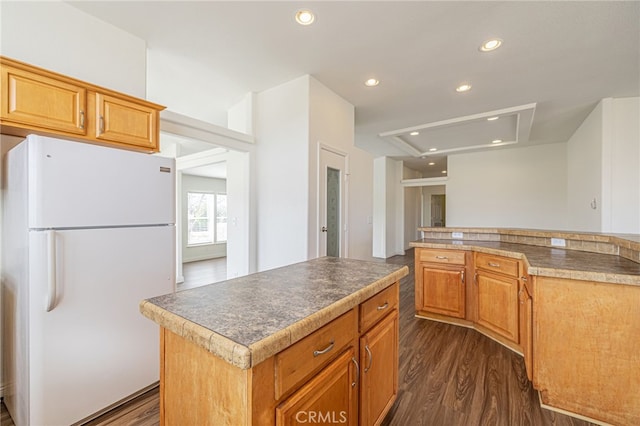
(94, 348)
(74, 184)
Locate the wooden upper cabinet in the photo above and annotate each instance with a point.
(35, 100)
(38, 101)
(126, 122)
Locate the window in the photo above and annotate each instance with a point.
(207, 218)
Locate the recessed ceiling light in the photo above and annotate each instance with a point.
(492, 118)
(444, 171)
(433, 149)
(432, 163)
(496, 141)
(490, 45)
(414, 133)
(465, 87)
(372, 82)
(305, 17)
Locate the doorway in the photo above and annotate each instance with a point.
(332, 191)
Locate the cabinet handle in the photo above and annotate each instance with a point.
(101, 124)
(461, 277)
(524, 278)
(366, 348)
(325, 350)
(383, 307)
(355, 382)
(442, 257)
(494, 265)
(475, 278)
(82, 119)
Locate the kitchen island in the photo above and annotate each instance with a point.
(316, 339)
(568, 302)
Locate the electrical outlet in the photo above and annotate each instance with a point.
(458, 235)
(558, 242)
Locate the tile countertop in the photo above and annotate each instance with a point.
(552, 262)
(249, 319)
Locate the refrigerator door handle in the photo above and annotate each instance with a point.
(51, 269)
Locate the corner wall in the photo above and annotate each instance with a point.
(58, 37)
(511, 187)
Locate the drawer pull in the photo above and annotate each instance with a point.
(366, 348)
(355, 382)
(494, 265)
(325, 350)
(442, 257)
(383, 307)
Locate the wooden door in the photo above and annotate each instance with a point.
(379, 365)
(41, 101)
(121, 121)
(330, 397)
(442, 291)
(497, 298)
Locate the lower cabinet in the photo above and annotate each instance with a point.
(497, 299)
(331, 397)
(345, 372)
(440, 282)
(379, 370)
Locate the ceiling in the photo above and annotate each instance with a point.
(557, 60)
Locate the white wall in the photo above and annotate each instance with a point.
(388, 208)
(58, 37)
(604, 164)
(331, 123)
(200, 184)
(282, 174)
(517, 187)
(584, 174)
(6, 143)
(621, 166)
(240, 244)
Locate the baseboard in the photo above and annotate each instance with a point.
(570, 413)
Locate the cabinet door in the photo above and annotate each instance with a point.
(121, 121)
(379, 363)
(441, 291)
(497, 298)
(31, 100)
(526, 327)
(330, 397)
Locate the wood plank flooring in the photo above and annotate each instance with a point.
(203, 272)
(449, 376)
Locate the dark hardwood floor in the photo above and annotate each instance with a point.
(449, 376)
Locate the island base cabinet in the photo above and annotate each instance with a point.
(587, 348)
(331, 397)
(379, 364)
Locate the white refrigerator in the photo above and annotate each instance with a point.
(88, 232)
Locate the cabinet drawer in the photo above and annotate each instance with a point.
(308, 355)
(503, 265)
(375, 308)
(452, 257)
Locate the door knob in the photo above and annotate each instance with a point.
(324, 229)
